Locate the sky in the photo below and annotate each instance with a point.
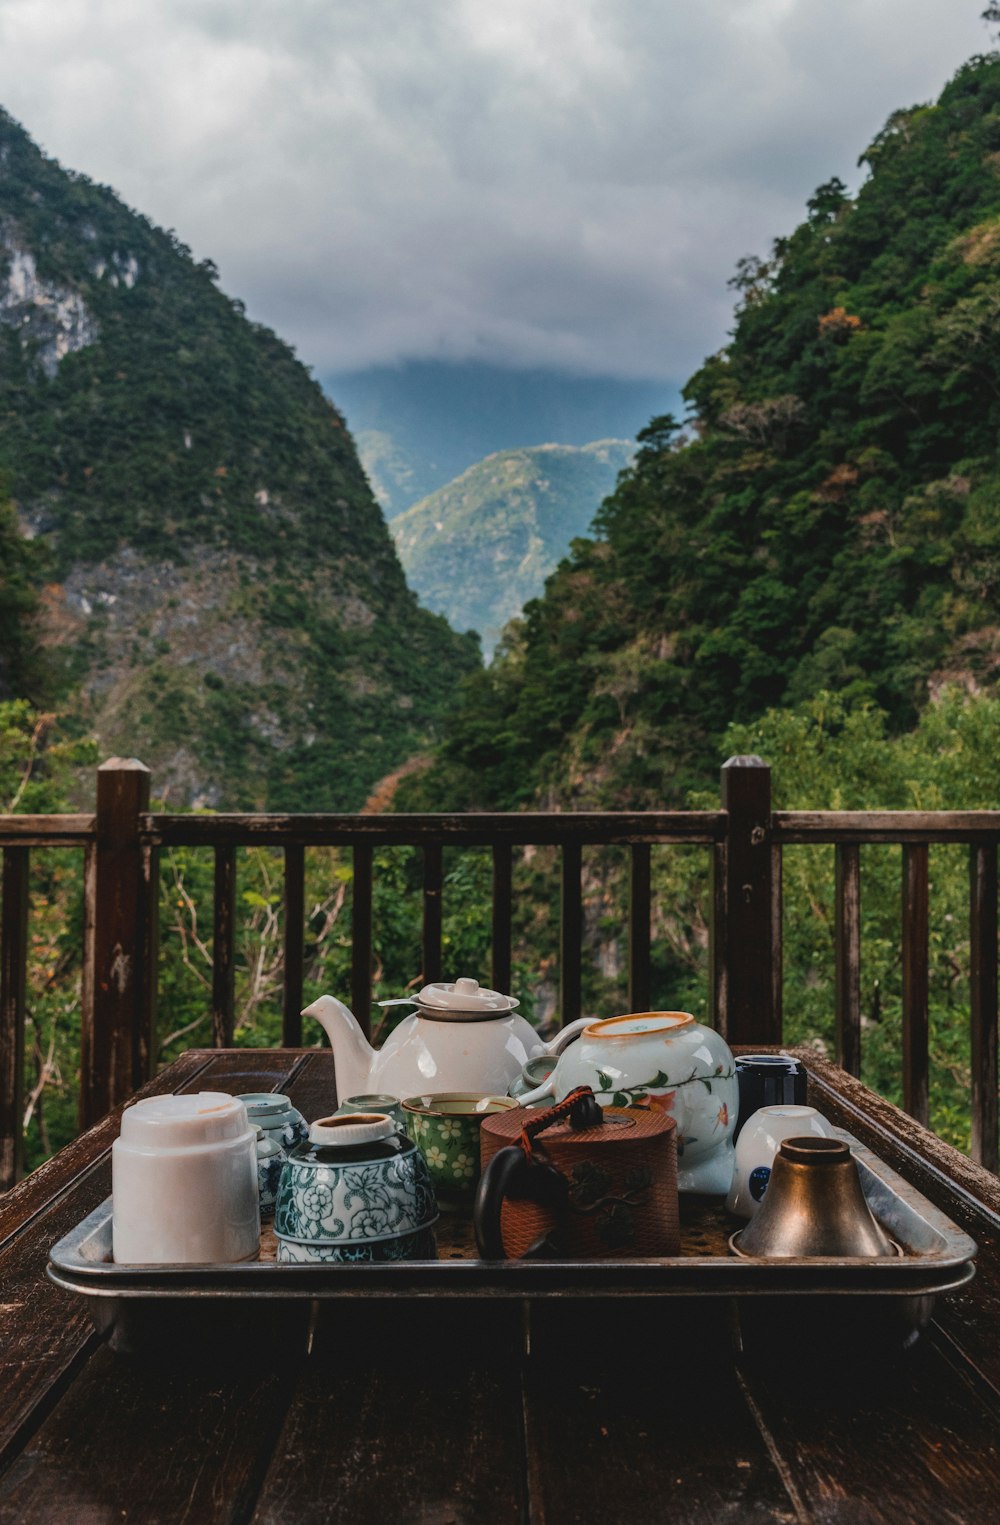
(558, 184)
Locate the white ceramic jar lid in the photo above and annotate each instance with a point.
(353, 1128)
(185, 1121)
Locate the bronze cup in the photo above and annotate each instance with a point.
(814, 1205)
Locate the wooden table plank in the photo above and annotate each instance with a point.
(159, 1444)
(877, 1439)
(633, 1411)
(44, 1332)
(413, 1413)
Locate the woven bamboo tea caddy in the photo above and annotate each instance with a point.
(579, 1183)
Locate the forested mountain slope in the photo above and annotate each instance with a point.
(829, 518)
(222, 596)
(479, 548)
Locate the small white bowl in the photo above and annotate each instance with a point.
(757, 1145)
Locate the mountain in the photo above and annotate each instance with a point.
(222, 596)
(477, 550)
(828, 520)
(421, 424)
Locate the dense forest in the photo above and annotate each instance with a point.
(221, 593)
(826, 518)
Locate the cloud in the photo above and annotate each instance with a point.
(558, 183)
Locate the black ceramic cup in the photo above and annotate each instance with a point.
(768, 1080)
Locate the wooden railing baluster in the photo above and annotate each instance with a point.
(638, 928)
(503, 877)
(433, 878)
(13, 973)
(777, 937)
(146, 1051)
(113, 1004)
(847, 956)
(744, 992)
(571, 934)
(983, 1001)
(224, 947)
(294, 945)
(915, 980)
(361, 937)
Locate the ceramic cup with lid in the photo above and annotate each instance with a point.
(357, 1191)
(184, 1181)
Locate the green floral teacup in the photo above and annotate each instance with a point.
(445, 1127)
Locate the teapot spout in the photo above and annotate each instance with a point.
(353, 1055)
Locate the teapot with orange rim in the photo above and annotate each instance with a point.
(664, 1060)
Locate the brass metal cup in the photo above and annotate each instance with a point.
(814, 1205)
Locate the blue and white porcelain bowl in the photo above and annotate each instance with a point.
(278, 1118)
(270, 1162)
(357, 1191)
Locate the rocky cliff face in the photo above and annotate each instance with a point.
(224, 598)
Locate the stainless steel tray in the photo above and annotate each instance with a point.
(937, 1256)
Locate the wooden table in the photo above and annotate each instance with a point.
(602, 1410)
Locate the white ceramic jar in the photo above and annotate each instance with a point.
(184, 1181)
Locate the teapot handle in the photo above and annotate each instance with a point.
(567, 1033)
(515, 1172)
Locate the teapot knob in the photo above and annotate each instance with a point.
(465, 986)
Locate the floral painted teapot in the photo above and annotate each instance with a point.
(668, 1061)
(461, 1037)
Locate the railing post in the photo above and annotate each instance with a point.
(743, 933)
(13, 964)
(115, 1010)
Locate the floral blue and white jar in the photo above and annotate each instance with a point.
(359, 1190)
(278, 1118)
(270, 1159)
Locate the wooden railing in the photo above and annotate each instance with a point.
(121, 843)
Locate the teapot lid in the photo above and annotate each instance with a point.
(464, 1001)
(466, 995)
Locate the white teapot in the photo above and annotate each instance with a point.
(461, 1037)
(668, 1061)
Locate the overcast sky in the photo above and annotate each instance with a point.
(557, 183)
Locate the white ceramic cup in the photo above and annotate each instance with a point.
(758, 1144)
(184, 1181)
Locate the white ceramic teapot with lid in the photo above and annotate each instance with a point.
(668, 1061)
(460, 1037)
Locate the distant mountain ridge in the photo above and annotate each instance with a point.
(478, 549)
(419, 425)
(222, 593)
